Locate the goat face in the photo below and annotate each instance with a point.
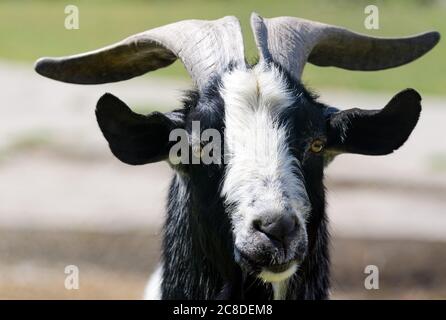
(267, 132)
(277, 137)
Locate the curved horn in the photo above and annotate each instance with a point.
(292, 42)
(205, 48)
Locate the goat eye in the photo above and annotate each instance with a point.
(317, 146)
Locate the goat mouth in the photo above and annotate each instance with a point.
(279, 268)
(266, 271)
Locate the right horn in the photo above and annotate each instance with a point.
(291, 42)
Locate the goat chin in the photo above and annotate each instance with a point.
(274, 277)
(153, 287)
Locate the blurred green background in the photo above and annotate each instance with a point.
(31, 29)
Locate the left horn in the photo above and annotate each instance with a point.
(206, 48)
(291, 42)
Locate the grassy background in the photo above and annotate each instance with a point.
(30, 29)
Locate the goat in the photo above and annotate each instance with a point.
(253, 226)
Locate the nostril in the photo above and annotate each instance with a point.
(290, 225)
(294, 225)
(257, 224)
(279, 229)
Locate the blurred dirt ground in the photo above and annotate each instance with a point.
(116, 266)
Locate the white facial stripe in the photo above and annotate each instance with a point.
(257, 152)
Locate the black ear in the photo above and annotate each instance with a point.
(374, 132)
(134, 138)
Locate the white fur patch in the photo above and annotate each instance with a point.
(259, 163)
(280, 289)
(277, 277)
(153, 287)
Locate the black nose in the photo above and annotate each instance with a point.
(281, 229)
